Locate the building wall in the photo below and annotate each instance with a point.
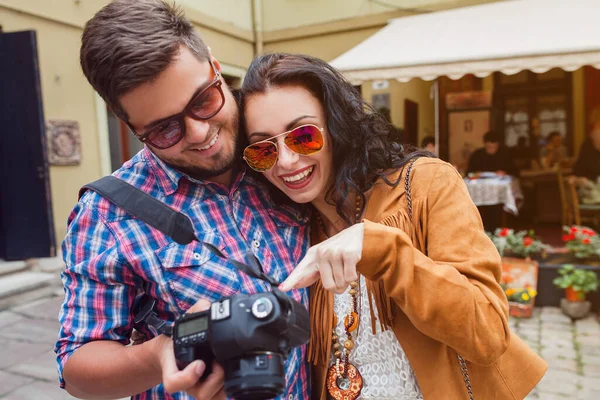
(67, 95)
(415, 90)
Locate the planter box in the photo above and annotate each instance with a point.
(520, 310)
(519, 273)
(550, 295)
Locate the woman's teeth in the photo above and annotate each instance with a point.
(298, 177)
(211, 144)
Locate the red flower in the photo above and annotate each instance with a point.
(527, 241)
(568, 238)
(574, 230)
(586, 241)
(588, 232)
(504, 232)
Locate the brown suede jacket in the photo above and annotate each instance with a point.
(435, 281)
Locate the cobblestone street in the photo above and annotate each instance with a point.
(28, 333)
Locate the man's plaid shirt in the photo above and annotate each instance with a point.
(110, 256)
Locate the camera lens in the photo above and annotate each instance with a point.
(255, 376)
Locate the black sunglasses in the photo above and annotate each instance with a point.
(205, 104)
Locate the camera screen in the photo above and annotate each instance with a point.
(192, 326)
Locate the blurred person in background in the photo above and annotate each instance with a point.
(428, 144)
(554, 152)
(588, 161)
(492, 157)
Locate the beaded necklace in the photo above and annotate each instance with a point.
(343, 379)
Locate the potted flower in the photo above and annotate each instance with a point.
(522, 244)
(520, 301)
(519, 272)
(582, 242)
(577, 282)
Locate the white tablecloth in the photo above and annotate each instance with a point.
(498, 190)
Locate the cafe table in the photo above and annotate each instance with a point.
(488, 189)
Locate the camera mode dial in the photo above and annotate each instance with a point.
(262, 308)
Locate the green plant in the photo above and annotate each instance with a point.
(581, 241)
(578, 279)
(520, 244)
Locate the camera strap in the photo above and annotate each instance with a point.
(178, 227)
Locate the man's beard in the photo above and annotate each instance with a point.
(222, 162)
(226, 164)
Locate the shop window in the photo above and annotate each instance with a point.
(529, 107)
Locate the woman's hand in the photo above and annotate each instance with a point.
(187, 380)
(334, 260)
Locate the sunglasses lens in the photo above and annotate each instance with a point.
(207, 103)
(305, 140)
(261, 156)
(165, 135)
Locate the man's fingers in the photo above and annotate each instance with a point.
(175, 380)
(212, 387)
(201, 305)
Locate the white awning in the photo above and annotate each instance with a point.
(507, 36)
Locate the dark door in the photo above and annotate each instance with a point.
(26, 225)
(411, 122)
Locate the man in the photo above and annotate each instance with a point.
(492, 157)
(554, 153)
(428, 144)
(588, 161)
(144, 58)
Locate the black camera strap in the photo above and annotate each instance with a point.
(178, 227)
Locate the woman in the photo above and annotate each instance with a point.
(399, 296)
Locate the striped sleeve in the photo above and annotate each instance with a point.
(99, 288)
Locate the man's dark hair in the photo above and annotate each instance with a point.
(427, 140)
(130, 42)
(362, 141)
(552, 135)
(492, 137)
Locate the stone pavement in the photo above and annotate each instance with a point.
(572, 351)
(28, 333)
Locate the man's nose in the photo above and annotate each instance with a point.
(196, 131)
(286, 158)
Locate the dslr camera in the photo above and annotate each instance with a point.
(249, 335)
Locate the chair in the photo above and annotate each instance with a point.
(581, 212)
(567, 209)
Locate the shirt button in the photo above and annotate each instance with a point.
(196, 256)
(255, 244)
(291, 397)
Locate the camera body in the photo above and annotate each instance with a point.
(249, 335)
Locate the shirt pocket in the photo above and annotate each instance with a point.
(193, 272)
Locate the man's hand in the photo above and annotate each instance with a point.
(334, 260)
(187, 380)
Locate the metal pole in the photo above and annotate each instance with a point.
(436, 110)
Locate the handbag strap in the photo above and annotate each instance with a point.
(461, 361)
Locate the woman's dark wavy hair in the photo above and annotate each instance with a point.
(361, 138)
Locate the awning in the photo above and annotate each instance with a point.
(507, 36)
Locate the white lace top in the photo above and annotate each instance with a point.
(386, 372)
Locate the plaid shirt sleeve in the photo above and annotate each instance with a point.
(99, 287)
